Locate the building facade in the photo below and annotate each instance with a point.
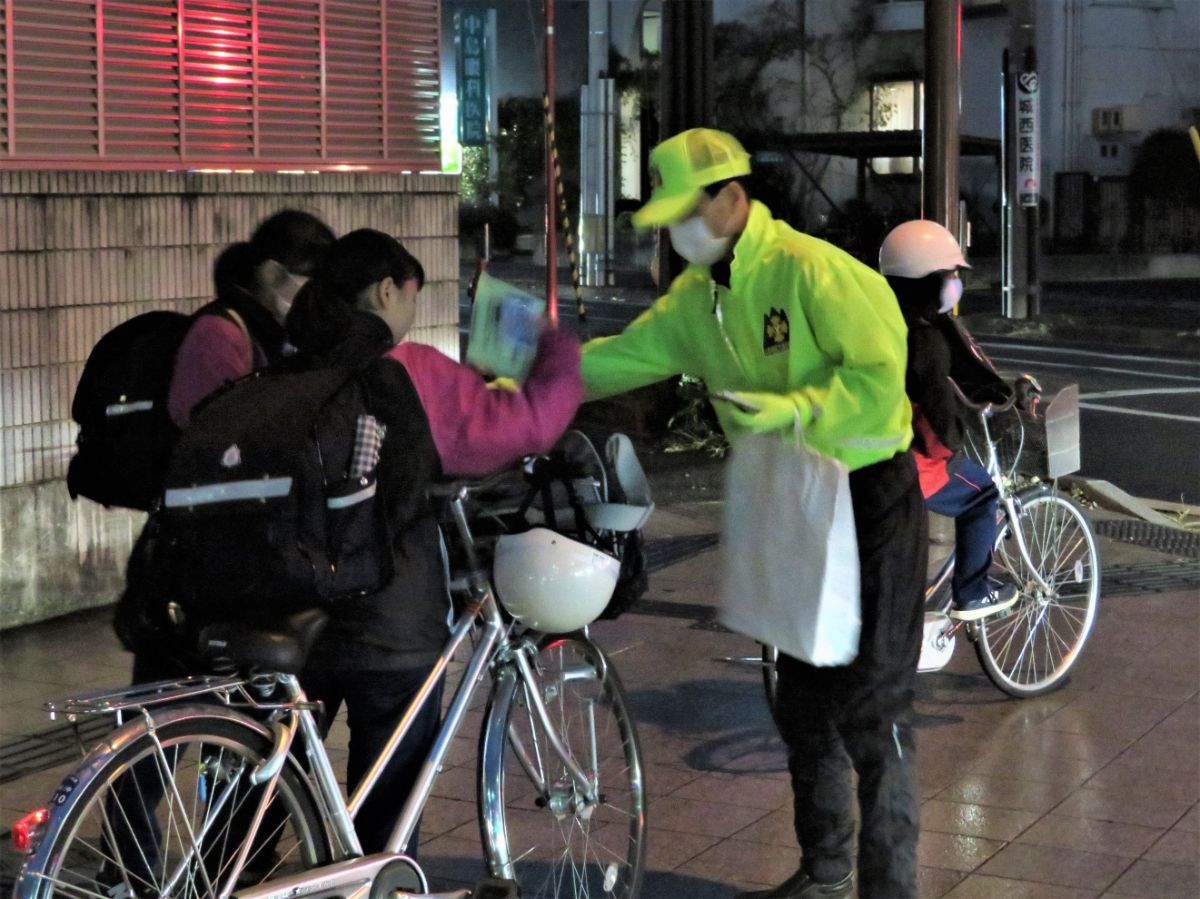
(136, 140)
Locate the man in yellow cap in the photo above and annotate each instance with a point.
(794, 329)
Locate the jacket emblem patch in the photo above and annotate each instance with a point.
(232, 457)
(775, 332)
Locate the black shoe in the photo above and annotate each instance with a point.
(801, 886)
(1004, 597)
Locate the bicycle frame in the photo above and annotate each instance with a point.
(494, 647)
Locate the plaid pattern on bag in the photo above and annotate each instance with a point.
(368, 439)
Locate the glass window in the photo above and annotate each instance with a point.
(897, 106)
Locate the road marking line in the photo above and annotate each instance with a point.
(1038, 363)
(1139, 412)
(1065, 350)
(1146, 391)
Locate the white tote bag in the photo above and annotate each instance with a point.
(790, 574)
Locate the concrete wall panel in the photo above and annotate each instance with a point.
(81, 252)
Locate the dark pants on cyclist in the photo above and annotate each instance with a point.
(375, 702)
(970, 498)
(857, 716)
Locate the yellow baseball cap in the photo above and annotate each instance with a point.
(682, 166)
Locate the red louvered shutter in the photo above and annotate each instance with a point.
(247, 84)
(5, 57)
(140, 47)
(290, 103)
(53, 94)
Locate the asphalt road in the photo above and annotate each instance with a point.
(1140, 412)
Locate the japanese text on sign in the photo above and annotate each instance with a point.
(1028, 150)
(471, 33)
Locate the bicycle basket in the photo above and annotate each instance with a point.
(601, 501)
(1042, 444)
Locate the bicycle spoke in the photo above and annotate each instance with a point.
(148, 825)
(71, 889)
(581, 845)
(1030, 649)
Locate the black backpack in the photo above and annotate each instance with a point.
(271, 498)
(120, 404)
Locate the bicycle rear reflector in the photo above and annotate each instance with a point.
(28, 831)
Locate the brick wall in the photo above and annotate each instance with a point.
(82, 251)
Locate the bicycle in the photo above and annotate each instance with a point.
(1046, 546)
(247, 801)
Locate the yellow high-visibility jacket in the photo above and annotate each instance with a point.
(801, 318)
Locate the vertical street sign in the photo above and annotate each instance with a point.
(1029, 157)
(472, 38)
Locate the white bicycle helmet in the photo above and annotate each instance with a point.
(919, 248)
(550, 582)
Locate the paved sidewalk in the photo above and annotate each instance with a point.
(1090, 791)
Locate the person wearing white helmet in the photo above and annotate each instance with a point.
(921, 261)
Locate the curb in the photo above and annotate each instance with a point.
(1114, 499)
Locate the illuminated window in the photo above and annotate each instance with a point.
(897, 106)
(652, 31)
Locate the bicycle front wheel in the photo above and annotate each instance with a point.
(538, 826)
(1029, 649)
(168, 811)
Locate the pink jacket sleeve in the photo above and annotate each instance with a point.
(214, 352)
(478, 430)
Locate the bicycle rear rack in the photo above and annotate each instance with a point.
(108, 701)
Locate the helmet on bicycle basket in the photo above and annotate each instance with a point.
(550, 582)
(919, 248)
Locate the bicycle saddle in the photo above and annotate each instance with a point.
(281, 646)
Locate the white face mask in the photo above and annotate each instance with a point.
(281, 299)
(693, 240)
(952, 288)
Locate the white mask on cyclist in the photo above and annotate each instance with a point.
(952, 289)
(695, 242)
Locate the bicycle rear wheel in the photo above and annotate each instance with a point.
(166, 812)
(1030, 649)
(537, 826)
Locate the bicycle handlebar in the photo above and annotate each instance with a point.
(986, 409)
(532, 471)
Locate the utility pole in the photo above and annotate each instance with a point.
(940, 144)
(685, 89)
(551, 181)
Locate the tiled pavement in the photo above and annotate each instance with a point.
(1090, 791)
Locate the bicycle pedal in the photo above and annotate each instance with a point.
(495, 888)
(937, 643)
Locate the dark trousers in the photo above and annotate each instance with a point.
(857, 716)
(970, 498)
(375, 702)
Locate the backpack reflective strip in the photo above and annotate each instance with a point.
(342, 502)
(126, 408)
(262, 488)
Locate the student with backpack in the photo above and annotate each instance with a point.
(144, 376)
(430, 417)
(244, 328)
(240, 331)
(172, 363)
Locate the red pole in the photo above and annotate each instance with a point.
(551, 187)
